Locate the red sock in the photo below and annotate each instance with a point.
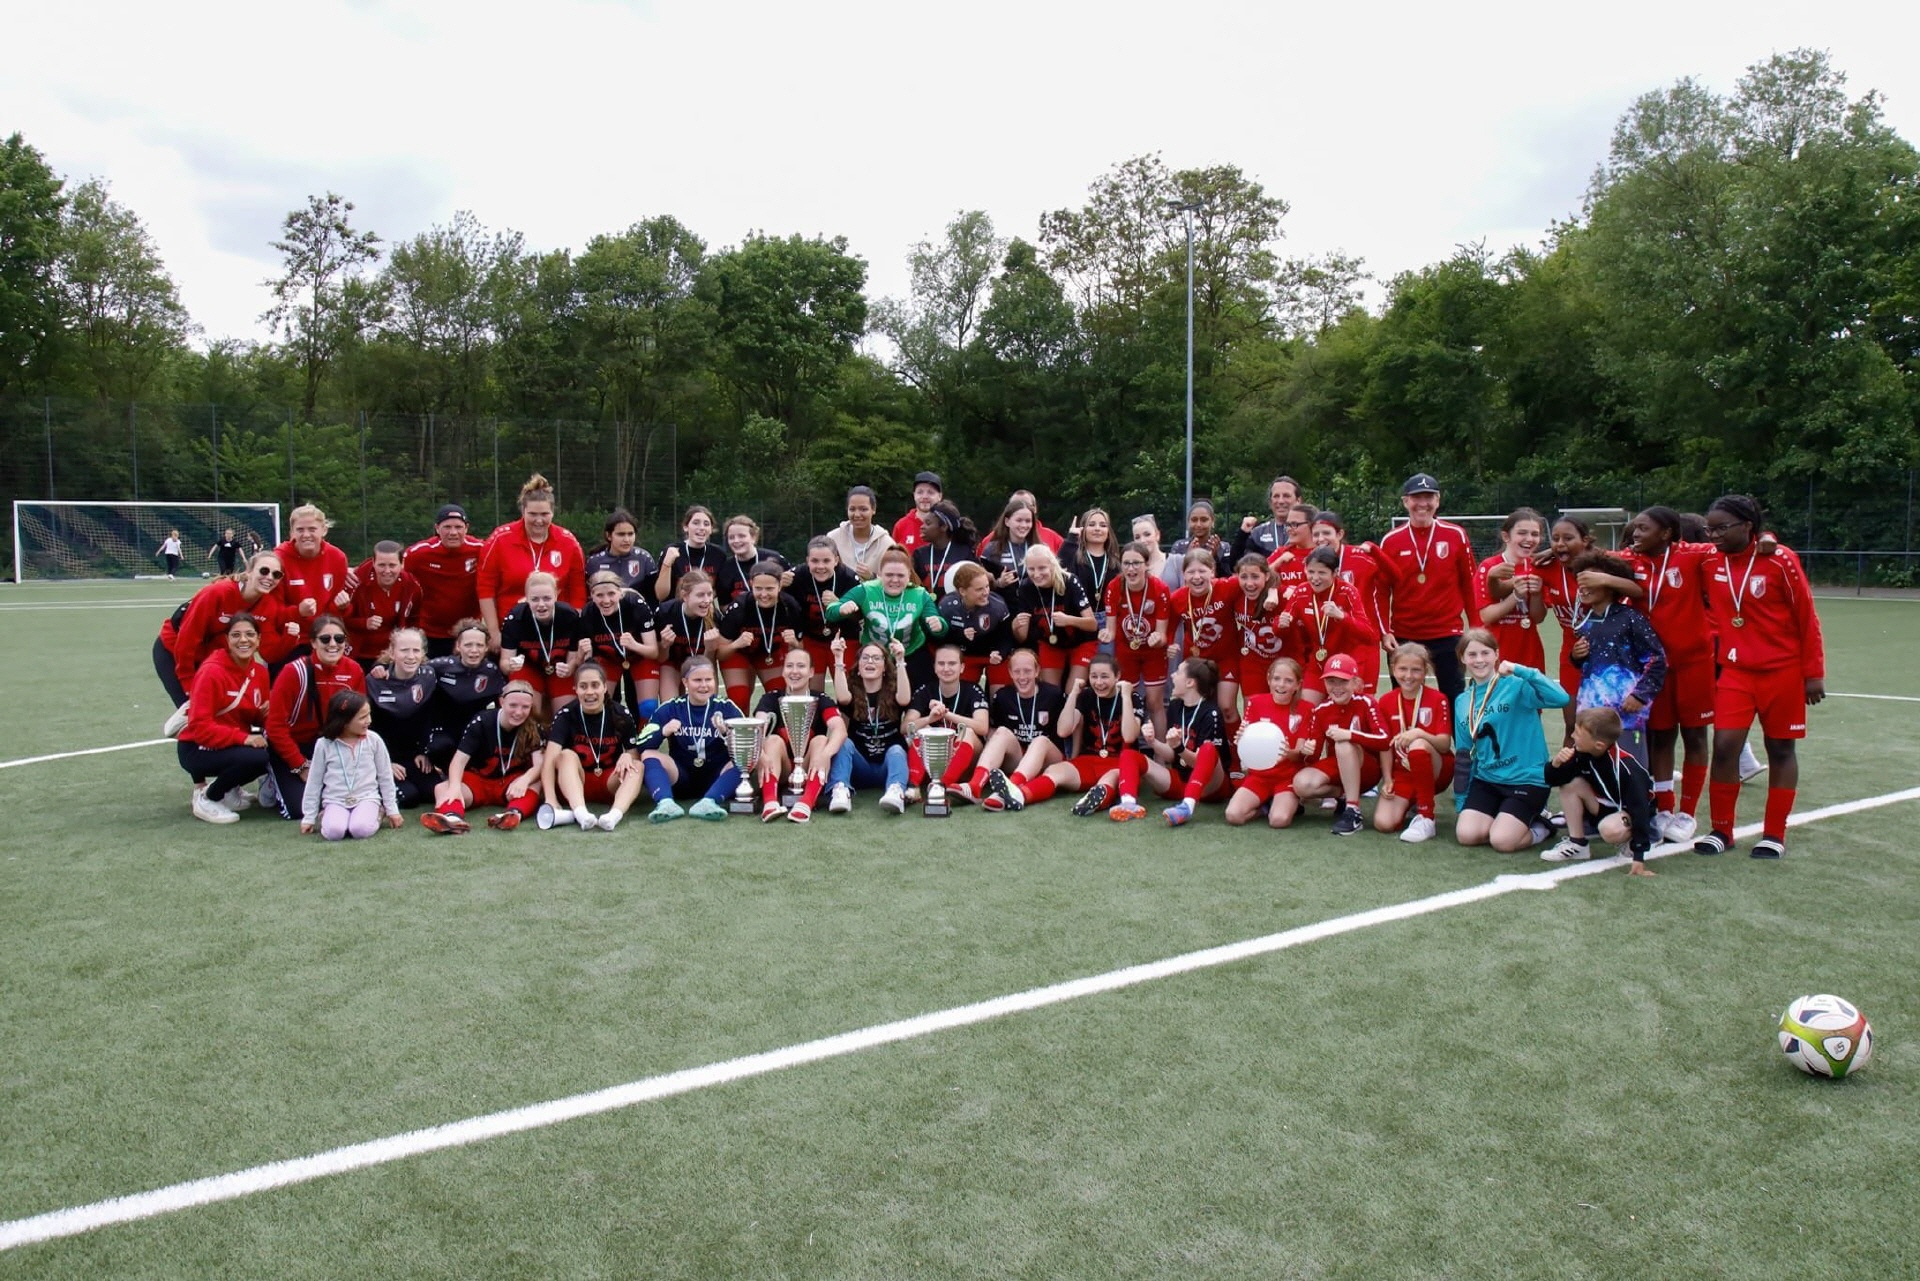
(1779, 805)
(978, 781)
(526, 805)
(1040, 789)
(812, 793)
(916, 769)
(1723, 800)
(1420, 765)
(1204, 762)
(1663, 798)
(957, 768)
(455, 806)
(1692, 779)
(1132, 765)
(769, 790)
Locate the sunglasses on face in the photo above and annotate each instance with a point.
(270, 573)
(330, 639)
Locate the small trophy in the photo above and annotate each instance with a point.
(796, 713)
(936, 752)
(744, 736)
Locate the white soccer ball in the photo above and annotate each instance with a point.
(1825, 1036)
(1261, 744)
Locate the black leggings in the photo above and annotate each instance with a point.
(169, 679)
(292, 788)
(227, 767)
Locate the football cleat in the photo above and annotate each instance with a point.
(1348, 821)
(1126, 813)
(444, 823)
(1092, 803)
(504, 821)
(709, 809)
(666, 811)
(1178, 815)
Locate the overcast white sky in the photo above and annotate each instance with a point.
(1395, 132)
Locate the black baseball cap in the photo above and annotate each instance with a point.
(930, 478)
(452, 511)
(1419, 483)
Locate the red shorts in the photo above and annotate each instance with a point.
(1091, 768)
(547, 687)
(1310, 679)
(734, 668)
(1401, 784)
(1266, 784)
(597, 787)
(1569, 670)
(1080, 655)
(1369, 769)
(1686, 700)
(1146, 664)
(1778, 698)
(1369, 660)
(821, 655)
(645, 669)
(1228, 665)
(1253, 672)
(486, 791)
(998, 675)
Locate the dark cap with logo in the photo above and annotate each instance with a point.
(452, 511)
(1419, 483)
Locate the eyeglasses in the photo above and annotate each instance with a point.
(330, 639)
(1296, 524)
(264, 572)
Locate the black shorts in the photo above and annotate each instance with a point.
(1524, 802)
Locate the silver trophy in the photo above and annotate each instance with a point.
(744, 736)
(936, 752)
(796, 713)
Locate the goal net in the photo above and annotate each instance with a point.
(123, 540)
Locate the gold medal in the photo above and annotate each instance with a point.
(1739, 620)
(626, 664)
(549, 669)
(1320, 655)
(1421, 577)
(1103, 751)
(1133, 642)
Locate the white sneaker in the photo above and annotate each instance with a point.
(238, 799)
(211, 811)
(175, 723)
(585, 819)
(269, 792)
(841, 801)
(1751, 766)
(1568, 851)
(1419, 828)
(1681, 827)
(610, 820)
(893, 800)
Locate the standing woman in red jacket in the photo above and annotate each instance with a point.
(316, 579)
(222, 747)
(297, 708)
(520, 547)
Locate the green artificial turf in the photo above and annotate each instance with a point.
(1575, 1083)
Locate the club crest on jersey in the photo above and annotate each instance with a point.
(1759, 587)
(1443, 550)
(553, 558)
(480, 684)
(1673, 577)
(326, 581)
(419, 693)
(471, 562)
(1424, 716)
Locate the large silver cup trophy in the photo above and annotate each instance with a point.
(796, 713)
(936, 752)
(745, 734)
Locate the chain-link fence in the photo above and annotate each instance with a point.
(382, 475)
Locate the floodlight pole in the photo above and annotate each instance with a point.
(1187, 209)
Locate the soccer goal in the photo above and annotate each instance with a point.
(54, 541)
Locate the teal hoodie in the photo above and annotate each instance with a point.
(1499, 725)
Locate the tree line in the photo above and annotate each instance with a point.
(1735, 305)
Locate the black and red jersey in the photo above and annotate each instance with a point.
(764, 626)
(494, 751)
(597, 738)
(1101, 732)
(630, 615)
(1196, 723)
(1043, 604)
(817, 598)
(825, 712)
(1029, 716)
(689, 634)
(543, 644)
(964, 701)
(978, 630)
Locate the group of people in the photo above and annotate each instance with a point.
(1240, 667)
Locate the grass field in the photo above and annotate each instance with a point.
(1578, 1083)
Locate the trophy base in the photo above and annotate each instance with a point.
(742, 804)
(937, 805)
(790, 799)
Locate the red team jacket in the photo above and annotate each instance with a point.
(227, 702)
(396, 607)
(1429, 610)
(1676, 602)
(203, 632)
(448, 578)
(509, 557)
(1359, 714)
(297, 708)
(1769, 594)
(319, 579)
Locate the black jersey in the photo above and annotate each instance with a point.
(636, 569)
(597, 738)
(963, 702)
(733, 579)
(1197, 724)
(1042, 604)
(978, 631)
(1092, 572)
(542, 644)
(460, 691)
(763, 625)
(931, 564)
(493, 751)
(227, 550)
(825, 710)
(871, 733)
(1618, 780)
(400, 715)
(689, 634)
(708, 557)
(633, 616)
(816, 598)
(1003, 558)
(1029, 717)
(1100, 722)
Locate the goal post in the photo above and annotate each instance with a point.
(63, 540)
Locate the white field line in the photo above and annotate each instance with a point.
(1888, 698)
(161, 605)
(85, 751)
(359, 1156)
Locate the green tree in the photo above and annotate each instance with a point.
(442, 288)
(31, 204)
(124, 317)
(321, 301)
